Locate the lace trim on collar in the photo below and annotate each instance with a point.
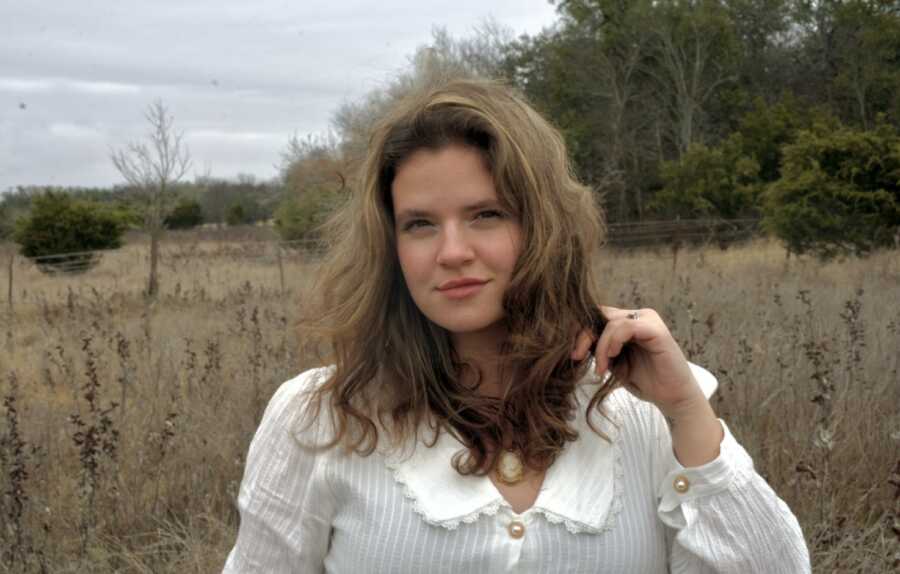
(442, 497)
(490, 509)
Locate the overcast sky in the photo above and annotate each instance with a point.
(240, 77)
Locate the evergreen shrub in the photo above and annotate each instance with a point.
(58, 224)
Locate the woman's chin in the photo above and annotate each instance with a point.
(461, 326)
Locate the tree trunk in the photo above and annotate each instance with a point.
(153, 282)
(614, 165)
(686, 126)
(659, 144)
(638, 197)
(861, 102)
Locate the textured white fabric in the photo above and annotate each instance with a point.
(605, 506)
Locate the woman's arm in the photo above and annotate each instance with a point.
(723, 516)
(285, 503)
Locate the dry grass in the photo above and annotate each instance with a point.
(124, 426)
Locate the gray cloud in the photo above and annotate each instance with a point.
(239, 77)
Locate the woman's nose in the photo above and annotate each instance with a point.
(454, 249)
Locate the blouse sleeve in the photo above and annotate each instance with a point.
(285, 504)
(723, 516)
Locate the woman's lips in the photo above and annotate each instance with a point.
(462, 291)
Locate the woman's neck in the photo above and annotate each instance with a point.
(481, 349)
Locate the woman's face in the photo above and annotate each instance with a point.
(457, 246)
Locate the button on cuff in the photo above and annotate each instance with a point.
(682, 484)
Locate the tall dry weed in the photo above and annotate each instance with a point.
(125, 432)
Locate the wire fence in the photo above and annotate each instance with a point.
(672, 234)
(721, 232)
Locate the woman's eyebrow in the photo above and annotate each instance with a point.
(410, 213)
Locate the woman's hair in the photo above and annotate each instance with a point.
(395, 370)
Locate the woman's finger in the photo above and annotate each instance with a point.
(613, 312)
(616, 334)
(583, 343)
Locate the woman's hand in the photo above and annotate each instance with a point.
(645, 357)
(652, 366)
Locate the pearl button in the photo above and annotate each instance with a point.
(516, 529)
(681, 484)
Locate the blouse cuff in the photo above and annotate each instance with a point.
(732, 468)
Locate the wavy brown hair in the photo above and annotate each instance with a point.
(396, 372)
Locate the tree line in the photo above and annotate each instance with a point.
(783, 110)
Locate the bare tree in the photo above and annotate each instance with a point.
(618, 88)
(693, 50)
(153, 168)
(446, 57)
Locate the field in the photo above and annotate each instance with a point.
(125, 424)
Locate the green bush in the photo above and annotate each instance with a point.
(300, 217)
(710, 182)
(128, 214)
(728, 180)
(6, 223)
(58, 224)
(766, 129)
(839, 192)
(187, 214)
(236, 215)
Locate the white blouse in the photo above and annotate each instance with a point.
(624, 505)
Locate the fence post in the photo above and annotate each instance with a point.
(12, 259)
(676, 246)
(10, 318)
(280, 266)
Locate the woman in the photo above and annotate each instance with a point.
(464, 426)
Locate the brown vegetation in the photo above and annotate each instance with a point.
(124, 425)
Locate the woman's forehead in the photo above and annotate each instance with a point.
(451, 177)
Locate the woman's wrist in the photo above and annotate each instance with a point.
(696, 434)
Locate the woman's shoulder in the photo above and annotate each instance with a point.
(707, 381)
(288, 405)
(306, 382)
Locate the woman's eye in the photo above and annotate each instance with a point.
(489, 214)
(415, 224)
